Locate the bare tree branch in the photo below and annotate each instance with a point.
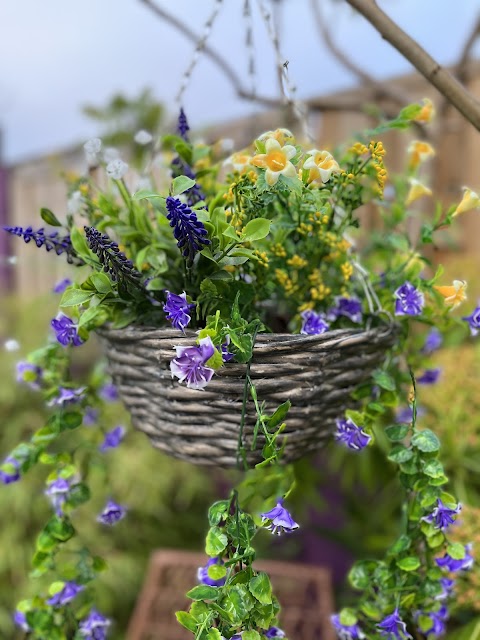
(439, 77)
(462, 66)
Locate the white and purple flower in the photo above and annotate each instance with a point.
(10, 470)
(94, 626)
(313, 323)
(274, 632)
(438, 619)
(111, 514)
(66, 331)
(67, 396)
(112, 439)
(409, 301)
(429, 376)
(30, 374)
(433, 341)
(108, 392)
(351, 435)
(20, 619)
(62, 285)
(69, 591)
(190, 364)
(474, 321)
(442, 516)
(346, 307)
(177, 310)
(57, 490)
(279, 520)
(452, 564)
(346, 631)
(393, 627)
(204, 578)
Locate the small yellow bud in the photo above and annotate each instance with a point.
(427, 112)
(470, 201)
(417, 190)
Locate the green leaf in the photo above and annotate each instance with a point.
(348, 617)
(99, 564)
(410, 563)
(79, 243)
(396, 432)
(260, 588)
(93, 317)
(60, 528)
(426, 441)
(75, 297)
(71, 420)
(203, 592)
(45, 542)
(471, 631)
(101, 282)
(434, 469)
(238, 603)
(400, 545)
(49, 217)
(216, 542)
(78, 494)
(186, 620)
(384, 380)
(182, 184)
(230, 232)
(214, 634)
(145, 194)
(217, 571)
(456, 550)
(251, 635)
(256, 229)
(217, 511)
(400, 454)
(361, 573)
(279, 414)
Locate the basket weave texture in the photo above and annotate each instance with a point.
(316, 373)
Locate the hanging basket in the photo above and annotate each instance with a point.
(316, 373)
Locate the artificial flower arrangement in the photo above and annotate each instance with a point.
(231, 251)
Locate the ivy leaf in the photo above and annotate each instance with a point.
(400, 454)
(217, 511)
(396, 432)
(203, 592)
(434, 469)
(60, 528)
(260, 588)
(238, 603)
(410, 563)
(216, 542)
(426, 441)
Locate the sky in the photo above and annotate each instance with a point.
(58, 55)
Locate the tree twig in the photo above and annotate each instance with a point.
(436, 75)
(461, 70)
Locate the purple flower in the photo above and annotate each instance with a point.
(438, 618)
(279, 519)
(62, 285)
(473, 321)
(393, 627)
(114, 262)
(182, 125)
(67, 396)
(30, 374)
(443, 516)
(52, 241)
(347, 307)
(112, 439)
(274, 632)
(10, 470)
(433, 341)
(177, 310)
(226, 355)
(447, 586)
(405, 414)
(112, 513)
(408, 300)
(57, 491)
(67, 594)
(189, 232)
(204, 578)
(108, 392)
(346, 631)
(190, 362)
(66, 331)
(429, 376)
(90, 416)
(95, 626)
(20, 619)
(313, 323)
(351, 435)
(452, 564)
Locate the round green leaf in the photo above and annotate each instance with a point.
(426, 441)
(411, 563)
(216, 542)
(203, 592)
(260, 588)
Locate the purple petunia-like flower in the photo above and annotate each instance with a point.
(452, 564)
(313, 323)
(90, 416)
(274, 632)
(112, 513)
(62, 285)
(30, 374)
(347, 307)
(94, 626)
(351, 435)
(433, 341)
(189, 232)
(409, 301)
(10, 470)
(278, 520)
(226, 355)
(20, 619)
(473, 321)
(442, 517)
(393, 627)
(108, 392)
(67, 396)
(438, 619)
(177, 310)
(204, 578)
(346, 631)
(67, 594)
(429, 376)
(447, 585)
(112, 439)
(189, 364)
(57, 491)
(66, 331)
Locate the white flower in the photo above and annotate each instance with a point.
(239, 161)
(110, 154)
(116, 169)
(92, 150)
(276, 161)
(143, 137)
(321, 165)
(11, 345)
(75, 202)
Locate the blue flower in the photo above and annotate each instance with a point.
(346, 631)
(57, 490)
(66, 331)
(187, 229)
(409, 301)
(348, 307)
(278, 520)
(30, 374)
(112, 513)
(10, 470)
(429, 376)
(189, 365)
(405, 414)
(67, 594)
(393, 627)
(438, 619)
(52, 241)
(313, 323)
(177, 310)
(204, 578)
(90, 416)
(473, 321)
(95, 626)
(62, 285)
(433, 341)
(108, 392)
(226, 355)
(351, 435)
(443, 516)
(67, 396)
(452, 564)
(112, 439)
(274, 632)
(20, 619)
(447, 586)
(182, 125)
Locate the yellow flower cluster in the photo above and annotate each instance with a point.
(305, 306)
(347, 271)
(358, 149)
(329, 238)
(304, 229)
(279, 251)
(297, 262)
(236, 217)
(319, 218)
(252, 176)
(376, 150)
(289, 284)
(320, 292)
(262, 258)
(229, 196)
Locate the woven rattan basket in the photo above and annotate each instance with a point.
(316, 373)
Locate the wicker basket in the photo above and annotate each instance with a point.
(317, 373)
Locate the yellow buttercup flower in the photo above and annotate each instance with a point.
(470, 201)
(419, 152)
(454, 294)
(321, 165)
(239, 161)
(427, 112)
(417, 190)
(282, 136)
(276, 161)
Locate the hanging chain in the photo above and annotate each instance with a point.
(251, 69)
(196, 54)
